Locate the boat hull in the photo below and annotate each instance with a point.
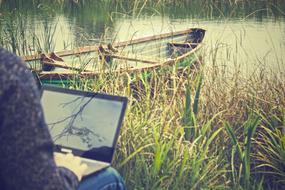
(133, 56)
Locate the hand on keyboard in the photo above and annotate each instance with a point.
(70, 162)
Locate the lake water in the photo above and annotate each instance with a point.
(250, 36)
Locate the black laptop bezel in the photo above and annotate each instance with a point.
(81, 153)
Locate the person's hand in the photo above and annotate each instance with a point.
(70, 162)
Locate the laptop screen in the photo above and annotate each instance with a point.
(88, 123)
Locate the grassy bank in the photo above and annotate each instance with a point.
(158, 153)
(198, 128)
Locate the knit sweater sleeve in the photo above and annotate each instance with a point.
(26, 148)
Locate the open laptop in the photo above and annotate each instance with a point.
(85, 124)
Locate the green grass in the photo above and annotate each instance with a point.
(178, 136)
(188, 129)
(159, 153)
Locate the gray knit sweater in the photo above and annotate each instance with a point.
(26, 148)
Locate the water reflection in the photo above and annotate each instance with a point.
(252, 32)
(84, 122)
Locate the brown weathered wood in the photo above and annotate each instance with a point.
(152, 38)
(87, 49)
(76, 51)
(184, 43)
(89, 74)
(66, 66)
(150, 64)
(182, 57)
(132, 59)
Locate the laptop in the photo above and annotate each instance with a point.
(86, 124)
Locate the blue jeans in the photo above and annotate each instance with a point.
(107, 179)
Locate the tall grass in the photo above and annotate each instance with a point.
(190, 130)
(200, 130)
(13, 33)
(23, 36)
(236, 144)
(153, 148)
(242, 175)
(271, 150)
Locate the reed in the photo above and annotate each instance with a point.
(16, 37)
(13, 33)
(156, 146)
(182, 132)
(271, 149)
(190, 129)
(242, 176)
(233, 141)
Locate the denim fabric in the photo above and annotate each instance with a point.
(107, 179)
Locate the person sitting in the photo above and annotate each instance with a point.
(27, 161)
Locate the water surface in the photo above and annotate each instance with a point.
(250, 36)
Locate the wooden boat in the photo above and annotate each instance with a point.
(135, 55)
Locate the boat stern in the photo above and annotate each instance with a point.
(196, 35)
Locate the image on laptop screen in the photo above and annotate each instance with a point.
(82, 122)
